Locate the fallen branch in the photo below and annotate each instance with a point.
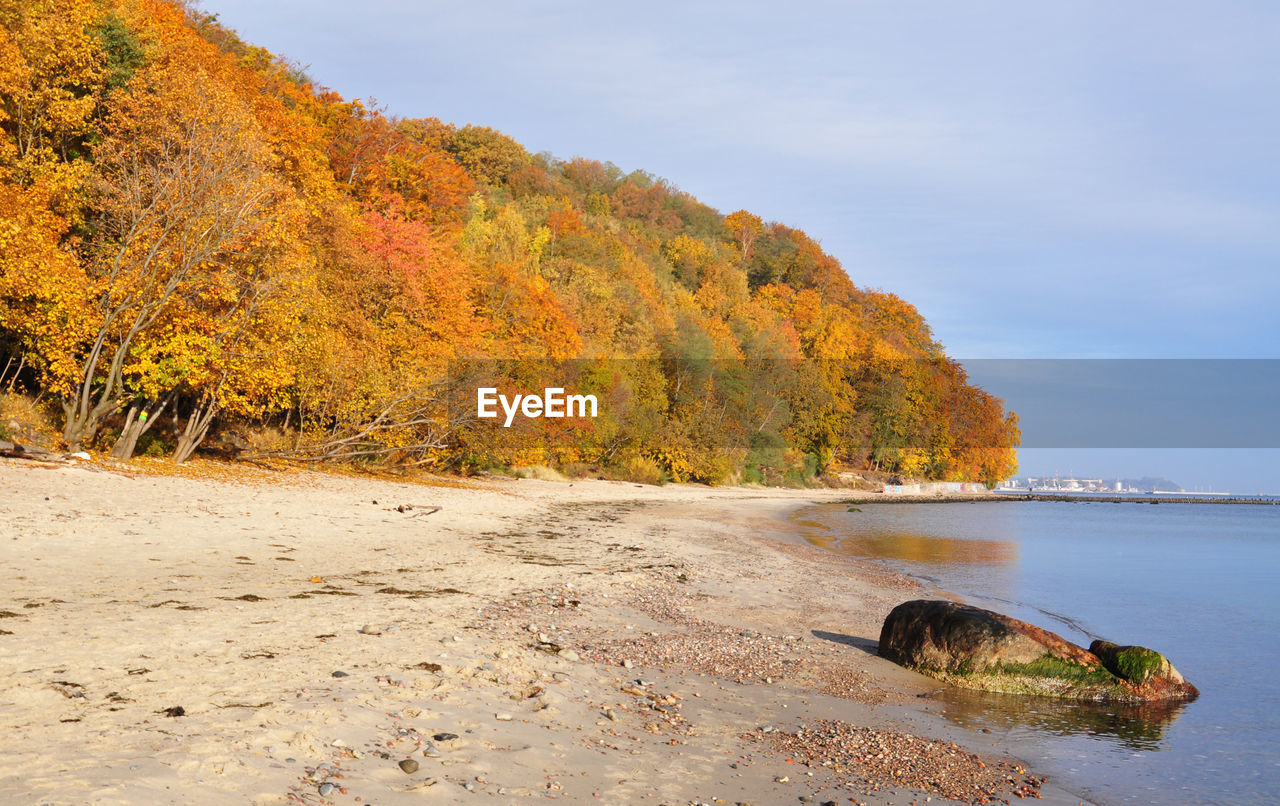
(13, 450)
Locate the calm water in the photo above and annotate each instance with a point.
(1200, 583)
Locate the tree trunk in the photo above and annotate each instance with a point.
(84, 412)
(127, 442)
(194, 432)
(136, 423)
(22, 362)
(80, 430)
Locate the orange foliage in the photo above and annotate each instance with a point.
(367, 254)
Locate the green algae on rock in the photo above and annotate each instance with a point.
(980, 649)
(1145, 669)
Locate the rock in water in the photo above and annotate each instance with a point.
(980, 649)
(1145, 669)
(951, 637)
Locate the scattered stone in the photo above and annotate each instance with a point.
(503, 717)
(369, 629)
(175, 711)
(570, 655)
(340, 674)
(868, 759)
(445, 737)
(325, 788)
(430, 750)
(409, 766)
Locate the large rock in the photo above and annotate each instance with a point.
(951, 637)
(975, 648)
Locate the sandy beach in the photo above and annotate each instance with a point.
(297, 637)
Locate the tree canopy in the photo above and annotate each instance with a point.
(193, 234)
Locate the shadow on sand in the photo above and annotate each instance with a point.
(865, 644)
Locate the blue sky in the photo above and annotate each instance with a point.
(1077, 179)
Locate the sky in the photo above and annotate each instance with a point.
(1067, 180)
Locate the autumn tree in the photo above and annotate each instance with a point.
(44, 300)
(744, 228)
(186, 184)
(488, 154)
(51, 78)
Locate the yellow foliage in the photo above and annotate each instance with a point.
(44, 294)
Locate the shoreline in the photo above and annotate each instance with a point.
(1069, 498)
(586, 641)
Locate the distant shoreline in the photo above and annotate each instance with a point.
(1072, 498)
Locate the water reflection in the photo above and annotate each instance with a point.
(1136, 727)
(969, 554)
(921, 548)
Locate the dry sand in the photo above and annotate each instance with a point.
(590, 642)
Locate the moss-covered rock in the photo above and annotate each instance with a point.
(1145, 669)
(981, 649)
(1134, 663)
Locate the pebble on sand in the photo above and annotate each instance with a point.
(409, 766)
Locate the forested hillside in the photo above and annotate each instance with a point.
(195, 239)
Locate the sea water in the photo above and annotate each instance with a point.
(1198, 582)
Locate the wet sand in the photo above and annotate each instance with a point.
(261, 637)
